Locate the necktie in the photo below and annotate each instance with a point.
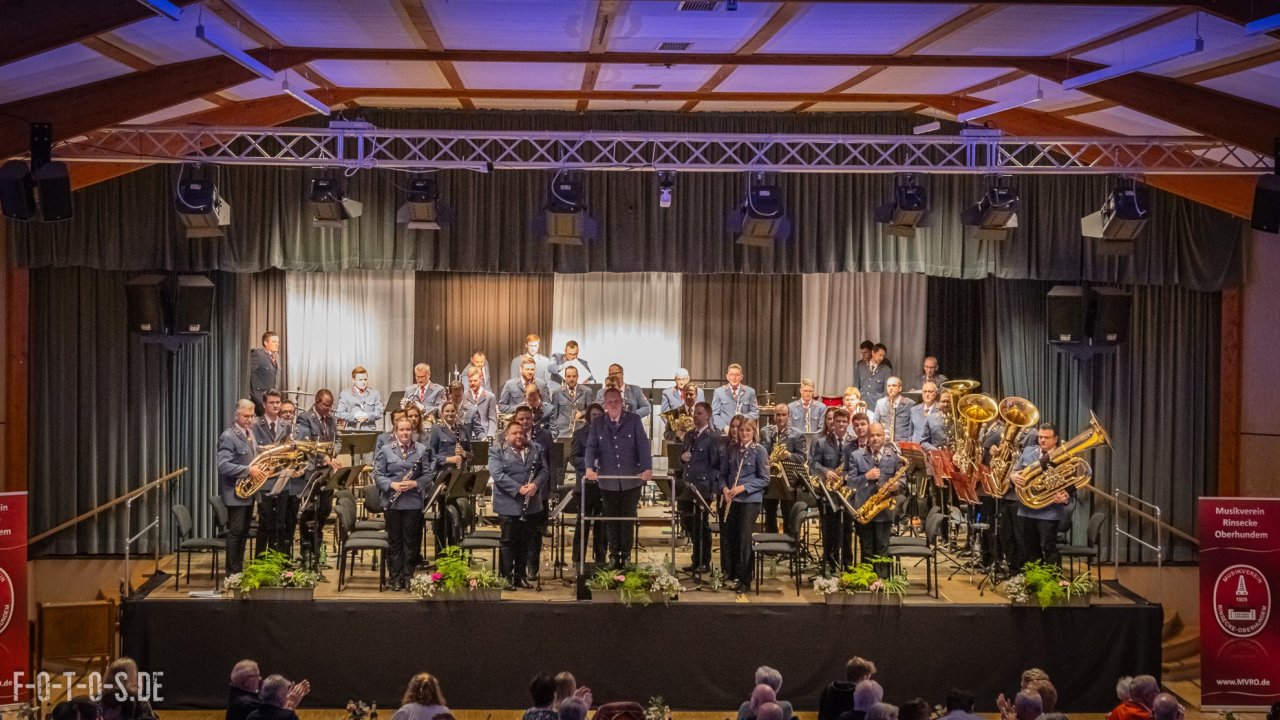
(273, 430)
(273, 358)
(422, 393)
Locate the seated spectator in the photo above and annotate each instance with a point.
(1274, 712)
(1031, 675)
(567, 687)
(769, 711)
(123, 673)
(1027, 705)
(1166, 707)
(882, 711)
(79, 708)
(543, 690)
(242, 695)
(959, 705)
(574, 708)
(914, 709)
(274, 697)
(837, 698)
(761, 695)
(1048, 695)
(766, 675)
(422, 699)
(1142, 691)
(865, 695)
(1122, 688)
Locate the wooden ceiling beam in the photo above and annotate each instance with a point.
(30, 27)
(671, 95)
(416, 19)
(105, 47)
(785, 13)
(607, 11)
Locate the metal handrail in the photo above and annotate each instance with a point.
(126, 498)
(1172, 530)
(1123, 500)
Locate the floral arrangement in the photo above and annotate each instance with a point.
(657, 709)
(1046, 584)
(863, 578)
(271, 569)
(636, 583)
(454, 574)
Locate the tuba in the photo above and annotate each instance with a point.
(974, 412)
(679, 421)
(882, 498)
(1018, 414)
(275, 460)
(1066, 467)
(776, 456)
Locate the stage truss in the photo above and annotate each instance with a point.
(358, 146)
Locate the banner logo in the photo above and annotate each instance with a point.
(1241, 601)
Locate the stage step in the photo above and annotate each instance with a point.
(1186, 669)
(1187, 691)
(1172, 626)
(1185, 645)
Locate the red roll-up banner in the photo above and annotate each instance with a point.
(1239, 562)
(15, 649)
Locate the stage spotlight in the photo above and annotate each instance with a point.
(422, 209)
(666, 187)
(329, 207)
(909, 208)
(1266, 199)
(201, 209)
(1123, 214)
(567, 221)
(17, 190)
(761, 222)
(996, 214)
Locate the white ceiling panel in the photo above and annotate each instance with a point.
(408, 102)
(59, 69)
(859, 28)
(261, 88)
(169, 113)
(521, 76)
(381, 73)
(735, 106)
(655, 105)
(1055, 98)
(1038, 29)
(1130, 122)
(925, 80)
(858, 107)
(1260, 84)
(678, 78)
(1222, 39)
(332, 23)
(766, 78)
(546, 25)
(500, 104)
(646, 24)
(160, 41)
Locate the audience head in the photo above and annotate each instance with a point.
(542, 689)
(914, 709)
(124, 666)
(275, 690)
(1143, 690)
(766, 675)
(80, 708)
(1166, 707)
(571, 709)
(1122, 688)
(859, 669)
(770, 711)
(1031, 675)
(1274, 712)
(866, 694)
(423, 689)
(246, 676)
(566, 686)
(1048, 695)
(961, 700)
(761, 695)
(882, 711)
(1027, 705)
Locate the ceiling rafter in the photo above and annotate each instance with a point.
(607, 11)
(115, 51)
(418, 21)
(31, 28)
(955, 24)
(671, 95)
(776, 22)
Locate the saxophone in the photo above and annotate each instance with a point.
(776, 456)
(881, 499)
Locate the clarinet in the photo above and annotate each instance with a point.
(524, 506)
(396, 495)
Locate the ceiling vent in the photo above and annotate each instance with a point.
(674, 46)
(646, 86)
(697, 5)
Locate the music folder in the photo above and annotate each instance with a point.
(560, 506)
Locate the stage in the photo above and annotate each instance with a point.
(698, 653)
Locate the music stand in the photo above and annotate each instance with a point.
(393, 401)
(786, 391)
(690, 491)
(359, 442)
(321, 482)
(479, 453)
(556, 518)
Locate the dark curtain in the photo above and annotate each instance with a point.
(458, 313)
(110, 413)
(753, 320)
(953, 327)
(128, 223)
(1156, 395)
(266, 305)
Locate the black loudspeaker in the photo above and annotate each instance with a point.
(192, 305)
(54, 185)
(1266, 204)
(17, 191)
(145, 296)
(1109, 316)
(1065, 313)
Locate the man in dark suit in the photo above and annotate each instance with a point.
(264, 369)
(519, 492)
(236, 450)
(825, 460)
(619, 449)
(794, 441)
(865, 471)
(319, 424)
(273, 505)
(1039, 539)
(702, 461)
